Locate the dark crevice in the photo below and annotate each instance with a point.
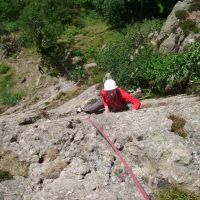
(5, 175)
(140, 138)
(29, 120)
(41, 159)
(13, 138)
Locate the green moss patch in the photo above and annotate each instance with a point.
(175, 192)
(188, 26)
(8, 96)
(178, 125)
(181, 14)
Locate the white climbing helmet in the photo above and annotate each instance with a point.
(110, 85)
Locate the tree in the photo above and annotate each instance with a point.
(41, 24)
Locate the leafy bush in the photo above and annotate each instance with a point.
(176, 193)
(77, 73)
(10, 9)
(41, 23)
(148, 69)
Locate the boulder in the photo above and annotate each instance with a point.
(68, 159)
(174, 34)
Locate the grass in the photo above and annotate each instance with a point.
(175, 192)
(87, 40)
(7, 94)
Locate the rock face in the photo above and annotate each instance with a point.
(181, 27)
(68, 160)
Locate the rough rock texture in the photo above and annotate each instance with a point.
(172, 37)
(68, 160)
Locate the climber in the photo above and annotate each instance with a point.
(114, 99)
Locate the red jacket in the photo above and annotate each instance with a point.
(120, 100)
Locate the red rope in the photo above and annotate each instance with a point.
(129, 170)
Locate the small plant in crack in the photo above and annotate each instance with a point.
(175, 192)
(178, 125)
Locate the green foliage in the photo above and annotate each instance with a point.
(112, 10)
(181, 14)
(115, 58)
(41, 24)
(148, 69)
(54, 59)
(77, 73)
(8, 27)
(53, 73)
(175, 192)
(10, 9)
(119, 12)
(4, 68)
(120, 57)
(88, 40)
(88, 4)
(9, 98)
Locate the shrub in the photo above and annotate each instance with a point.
(41, 23)
(77, 73)
(148, 69)
(10, 9)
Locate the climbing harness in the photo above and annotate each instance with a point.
(122, 159)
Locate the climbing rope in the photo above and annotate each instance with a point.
(122, 159)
